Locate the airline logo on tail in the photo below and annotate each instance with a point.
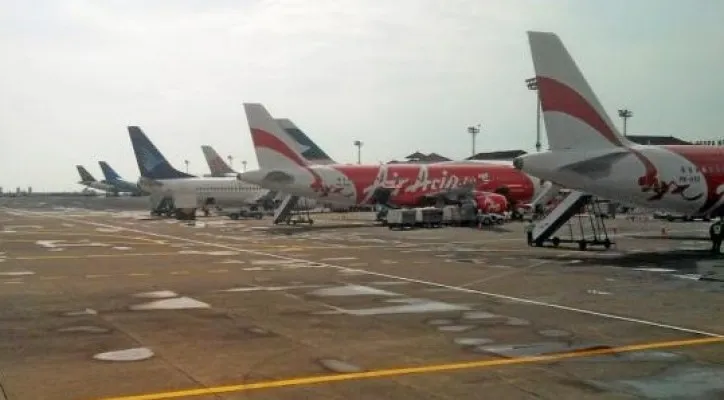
(267, 134)
(570, 106)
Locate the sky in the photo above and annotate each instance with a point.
(400, 76)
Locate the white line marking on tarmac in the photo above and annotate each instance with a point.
(419, 281)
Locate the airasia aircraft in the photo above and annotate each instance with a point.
(402, 185)
(588, 154)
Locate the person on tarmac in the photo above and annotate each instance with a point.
(716, 235)
(529, 232)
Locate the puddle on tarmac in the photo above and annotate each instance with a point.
(87, 311)
(135, 354)
(259, 331)
(231, 261)
(654, 269)
(109, 230)
(389, 283)
(222, 253)
(190, 252)
(352, 290)
(179, 303)
(678, 382)
(160, 294)
(480, 315)
(269, 288)
(440, 322)
(472, 341)
(535, 349)
(340, 366)
(17, 273)
(410, 306)
(455, 328)
(84, 329)
(554, 333)
(512, 321)
(272, 262)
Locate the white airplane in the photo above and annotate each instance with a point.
(160, 179)
(588, 154)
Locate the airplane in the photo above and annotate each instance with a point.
(120, 185)
(306, 146)
(161, 179)
(86, 179)
(587, 153)
(282, 167)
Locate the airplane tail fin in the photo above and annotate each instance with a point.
(217, 165)
(151, 163)
(274, 148)
(306, 146)
(108, 172)
(85, 176)
(573, 116)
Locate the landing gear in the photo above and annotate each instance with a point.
(716, 235)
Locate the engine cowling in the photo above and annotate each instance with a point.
(489, 202)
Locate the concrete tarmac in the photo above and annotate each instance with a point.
(103, 302)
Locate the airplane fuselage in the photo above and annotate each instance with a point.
(355, 184)
(688, 179)
(122, 186)
(97, 185)
(225, 192)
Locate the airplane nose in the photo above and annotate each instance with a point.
(518, 163)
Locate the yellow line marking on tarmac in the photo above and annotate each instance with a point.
(139, 274)
(391, 372)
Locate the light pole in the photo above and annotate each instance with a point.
(231, 161)
(532, 84)
(243, 164)
(359, 151)
(473, 131)
(625, 114)
(187, 165)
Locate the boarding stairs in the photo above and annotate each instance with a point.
(285, 212)
(591, 225)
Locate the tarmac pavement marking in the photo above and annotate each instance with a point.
(406, 279)
(425, 369)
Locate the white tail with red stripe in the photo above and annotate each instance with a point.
(275, 150)
(573, 116)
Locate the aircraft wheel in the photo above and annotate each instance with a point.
(582, 245)
(311, 222)
(234, 216)
(607, 244)
(556, 241)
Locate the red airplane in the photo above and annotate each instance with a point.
(282, 167)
